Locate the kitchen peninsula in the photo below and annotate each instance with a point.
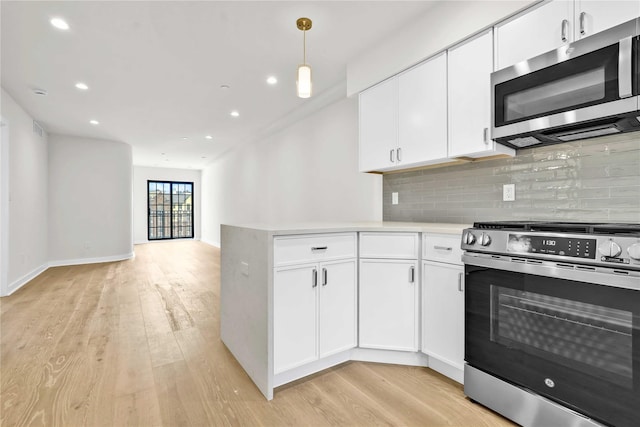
(299, 298)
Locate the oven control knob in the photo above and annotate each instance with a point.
(634, 251)
(485, 240)
(469, 238)
(611, 249)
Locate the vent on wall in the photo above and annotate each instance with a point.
(37, 128)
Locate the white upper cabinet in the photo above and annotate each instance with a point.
(379, 126)
(556, 23)
(422, 112)
(593, 16)
(469, 90)
(403, 120)
(537, 31)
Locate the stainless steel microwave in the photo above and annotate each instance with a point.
(584, 89)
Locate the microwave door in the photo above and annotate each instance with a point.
(587, 80)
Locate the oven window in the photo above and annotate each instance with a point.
(591, 338)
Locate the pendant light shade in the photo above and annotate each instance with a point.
(303, 81)
(303, 76)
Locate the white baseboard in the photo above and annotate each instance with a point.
(453, 371)
(96, 260)
(17, 284)
(310, 368)
(211, 243)
(390, 356)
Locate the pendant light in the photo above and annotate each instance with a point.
(303, 78)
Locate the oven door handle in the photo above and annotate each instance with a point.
(625, 79)
(460, 284)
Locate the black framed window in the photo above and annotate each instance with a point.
(170, 208)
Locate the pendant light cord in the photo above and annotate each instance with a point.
(304, 47)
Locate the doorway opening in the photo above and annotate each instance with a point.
(170, 207)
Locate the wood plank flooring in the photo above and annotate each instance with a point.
(136, 343)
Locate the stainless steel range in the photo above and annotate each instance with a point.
(552, 322)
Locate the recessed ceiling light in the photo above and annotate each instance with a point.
(94, 122)
(162, 154)
(59, 23)
(40, 92)
(82, 86)
(208, 137)
(184, 138)
(272, 80)
(234, 113)
(203, 157)
(224, 86)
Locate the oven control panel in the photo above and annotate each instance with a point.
(562, 246)
(613, 251)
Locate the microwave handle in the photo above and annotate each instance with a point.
(624, 68)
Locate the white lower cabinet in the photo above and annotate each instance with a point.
(443, 304)
(388, 304)
(443, 317)
(314, 312)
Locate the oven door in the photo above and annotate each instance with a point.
(574, 342)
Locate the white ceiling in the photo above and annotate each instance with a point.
(155, 68)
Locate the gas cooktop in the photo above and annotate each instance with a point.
(562, 227)
(614, 244)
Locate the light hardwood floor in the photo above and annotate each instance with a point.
(137, 343)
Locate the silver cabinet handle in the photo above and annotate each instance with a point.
(583, 30)
(324, 276)
(398, 153)
(443, 248)
(314, 278)
(391, 156)
(319, 248)
(565, 31)
(412, 274)
(485, 136)
(624, 68)
(460, 288)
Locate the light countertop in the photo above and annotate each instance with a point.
(337, 227)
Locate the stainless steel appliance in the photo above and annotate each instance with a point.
(584, 89)
(552, 322)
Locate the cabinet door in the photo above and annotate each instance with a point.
(470, 67)
(378, 126)
(422, 112)
(443, 313)
(294, 317)
(593, 16)
(337, 307)
(537, 31)
(388, 307)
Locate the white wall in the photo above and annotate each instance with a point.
(306, 172)
(90, 193)
(141, 175)
(27, 185)
(4, 204)
(426, 36)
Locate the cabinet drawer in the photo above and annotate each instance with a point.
(389, 245)
(316, 247)
(442, 248)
